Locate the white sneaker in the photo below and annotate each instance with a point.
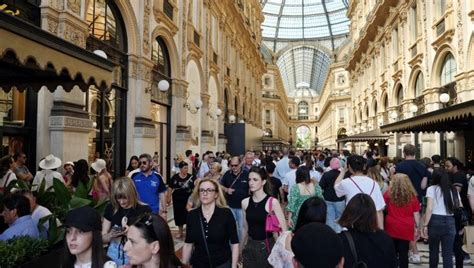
(414, 258)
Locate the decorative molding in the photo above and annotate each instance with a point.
(70, 124)
(146, 28)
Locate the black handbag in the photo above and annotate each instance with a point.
(461, 218)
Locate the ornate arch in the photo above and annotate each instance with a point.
(192, 57)
(373, 107)
(412, 81)
(438, 62)
(131, 27)
(384, 101)
(395, 91)
(167, 37)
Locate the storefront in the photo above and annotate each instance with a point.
(373, 140)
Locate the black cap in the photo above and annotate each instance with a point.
(84, 218)
(317, 245)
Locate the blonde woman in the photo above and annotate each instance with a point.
(124, 209)
(214, 172)
(374, 173)
(402, 213)
(211, 236)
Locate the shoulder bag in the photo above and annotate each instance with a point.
(460, 217)
(357, 263)
(272, 224)
(204, 238)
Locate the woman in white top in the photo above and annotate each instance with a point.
(439, 218)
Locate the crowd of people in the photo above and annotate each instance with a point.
(289, 208)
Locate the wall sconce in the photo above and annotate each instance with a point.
(413, 108)
(241, 121)
(215, 115)
(163, 86)
(444, 98)
(231, 118)
(194, 108)
(394, 115)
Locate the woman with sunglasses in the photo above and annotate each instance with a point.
(211, 230)
(255, 210)
(150, 244)
(124, 208)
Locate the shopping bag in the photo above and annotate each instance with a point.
(469, 239)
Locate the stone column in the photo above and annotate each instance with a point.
(144, 132)
(179, 133)
(69, 126)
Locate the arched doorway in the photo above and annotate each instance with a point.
(107, 33)
(303, 137)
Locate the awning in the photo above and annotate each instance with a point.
(31, 58)
(457, 117)
(372, 135)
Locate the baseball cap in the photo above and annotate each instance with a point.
(84, 218)
(317, 245)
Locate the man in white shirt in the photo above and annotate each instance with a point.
(206, 165)
(37, 212)
(290, 178)
(359, 183)
(282, 166)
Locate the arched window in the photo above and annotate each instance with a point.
(419, 84)
(400, 95)
(303, 110)
(385, 103)
(104, 23)
(448, 70)
(161, 71)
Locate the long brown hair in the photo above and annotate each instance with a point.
(360, 214)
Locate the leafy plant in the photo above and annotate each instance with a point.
(16, 251)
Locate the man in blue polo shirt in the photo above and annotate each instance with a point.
(150, 186)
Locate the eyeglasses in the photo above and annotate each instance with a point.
(212, 157)
(234, 165)
(143, 163)
(206, 191)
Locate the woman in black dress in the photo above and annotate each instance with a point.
(180, 188)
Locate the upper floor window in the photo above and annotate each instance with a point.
(414, 23)
(196, 13)
(25, 10)
(303, 110)
(104, 24)
(400, 95)
(448, 69)
(419, 84)
(441, 7)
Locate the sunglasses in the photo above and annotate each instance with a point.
(234, 165)
(143, 162)
(147, 220)
(202, 191)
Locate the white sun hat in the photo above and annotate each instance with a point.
(99, 165)
(50, 162)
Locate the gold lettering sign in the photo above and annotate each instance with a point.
(3, 7)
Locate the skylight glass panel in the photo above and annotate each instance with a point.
(292, 10)
(316, 32)
(290, 16)
(313, 9)
(270, 21)
(272, 9)
(315, 21)
(292, 33)
(291, 22)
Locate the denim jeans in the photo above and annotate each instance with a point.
(334, 212)
(441, 229)
(239, 218)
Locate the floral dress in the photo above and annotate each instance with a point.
(296, 199)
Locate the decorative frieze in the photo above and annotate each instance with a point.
(67, 123)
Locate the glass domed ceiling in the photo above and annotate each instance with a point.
(287, 20)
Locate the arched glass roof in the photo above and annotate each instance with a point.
(288, 20)
(304, 70)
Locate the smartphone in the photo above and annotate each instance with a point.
(117, 229)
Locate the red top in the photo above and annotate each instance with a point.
(400, 222)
